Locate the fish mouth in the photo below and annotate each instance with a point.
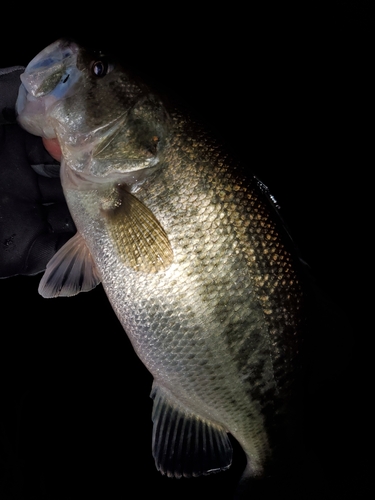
(31, 114)
(51, 69)
(49, 77)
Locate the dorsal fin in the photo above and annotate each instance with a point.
(70, 271)
(184, 444)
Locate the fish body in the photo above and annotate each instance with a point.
(190, 250)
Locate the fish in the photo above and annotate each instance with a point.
(192, 253)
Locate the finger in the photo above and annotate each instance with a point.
(53, 147)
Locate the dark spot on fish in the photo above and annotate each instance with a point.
(66, 78)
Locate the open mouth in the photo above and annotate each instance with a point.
(31, 114)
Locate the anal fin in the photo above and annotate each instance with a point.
(184, 444)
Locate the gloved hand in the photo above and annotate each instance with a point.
(34, 218)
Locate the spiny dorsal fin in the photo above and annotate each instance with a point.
(70, 271)
(184, 444)
(140, 240)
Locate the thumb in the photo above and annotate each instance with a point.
(53, 147)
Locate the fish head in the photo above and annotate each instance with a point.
(107, 123)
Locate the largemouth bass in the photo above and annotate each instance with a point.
(190, 249)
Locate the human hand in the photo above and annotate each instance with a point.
(34, 218)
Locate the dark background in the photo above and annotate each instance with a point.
(291, 93)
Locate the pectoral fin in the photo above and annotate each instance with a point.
(183, 444)
(141, 241)
(70, 271)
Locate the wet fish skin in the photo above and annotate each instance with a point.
(190, 249)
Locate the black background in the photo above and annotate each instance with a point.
(290, 91)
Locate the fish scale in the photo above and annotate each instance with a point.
(207, 298)
(190, 250)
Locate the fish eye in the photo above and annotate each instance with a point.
(100, 68)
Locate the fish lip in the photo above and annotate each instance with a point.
(50, 75)
(28, 111)
(46, 69)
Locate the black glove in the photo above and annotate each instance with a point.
(34, 218)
